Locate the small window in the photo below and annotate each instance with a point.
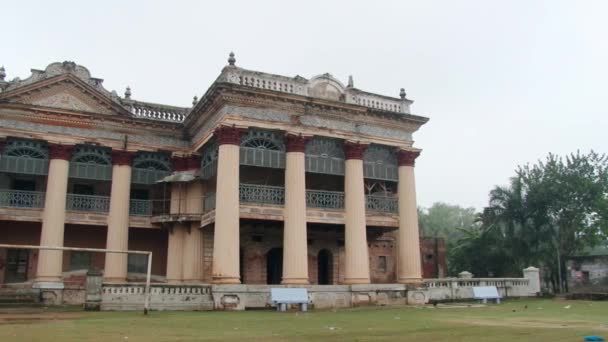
(382, 263)
(80, 261)
(429, 257)
(137, 263)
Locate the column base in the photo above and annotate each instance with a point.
(356, 281)
(115, 280)
(48, 285)
(295, 281)
(411, 281)
(226, 280)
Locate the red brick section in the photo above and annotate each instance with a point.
(354, 150)
(122, 158)
(188, 163)
(57, 151)
(295, 143)
(407, 158)
(432, 252)
(227, 135)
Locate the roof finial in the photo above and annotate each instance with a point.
(128, 93)
(402, 94)
(2, 73)
(231, 59)
(350, 82)
(194, 100)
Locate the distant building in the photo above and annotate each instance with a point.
(588, 272)
(265, 179)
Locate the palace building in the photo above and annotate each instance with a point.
(265, 179)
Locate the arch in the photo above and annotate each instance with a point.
(263, 140)
(26, 149)
(152, 161)
(274, 266)
(325, 148)
(92, 155)
(325, 267)
(382, 155)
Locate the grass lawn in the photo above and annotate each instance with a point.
(542, 320)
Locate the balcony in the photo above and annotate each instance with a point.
(147, 176)
(261, 157)
(21, 199)
(383, 204)
(324, 199)
(209, 202)
(90, 171)
(265, 194)
(88, 203)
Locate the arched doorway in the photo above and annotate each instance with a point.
(274, 266)
(324, 267)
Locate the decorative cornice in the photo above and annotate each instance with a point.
(295, 143)
(354, 150)
(407, 158)
(122, 157)
(58, 151)
(227, 135)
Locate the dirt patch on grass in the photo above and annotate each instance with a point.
(533, 323)
(39, 317)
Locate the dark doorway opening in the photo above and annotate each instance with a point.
(274, 266)
(324, 267)
(16, 265)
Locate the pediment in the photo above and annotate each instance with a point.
(65, 92)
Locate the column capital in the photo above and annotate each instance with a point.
(354, 150)
(295, 143)
(228, 135)
(407, 158)
(58, 151)
(122, 157)
(186, 163)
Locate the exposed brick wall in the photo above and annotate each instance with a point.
(433, 258)
(20, 233)
(154, 240)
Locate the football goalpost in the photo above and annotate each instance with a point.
(98, 250)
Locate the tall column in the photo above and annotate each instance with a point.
(175, 253)
(295, 248)
(193, 238)
(225, 268)
(53, 217)
(118, 217)
(355, 235)
(408, 263)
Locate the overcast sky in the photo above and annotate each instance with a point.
(503, 82)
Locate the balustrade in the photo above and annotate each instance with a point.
(209, 202)
(92, 203)
(252, 193)
(386, 204)
(140, 207)
(21, 199)
(324, 199)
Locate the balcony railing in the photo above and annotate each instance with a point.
(264, 158)
(21, 199)
(139, 207)
(252, 193)
(385, 204)
(324, 199)
(209, 170)
(23, 165)
(91, 203)
(209, 202)
(90, 171)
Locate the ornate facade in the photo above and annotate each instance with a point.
(266, 179)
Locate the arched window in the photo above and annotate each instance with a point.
(152, 161)
(92, 155)
(263, 140)
(381, 155)
(325, 148)
(26, 149)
